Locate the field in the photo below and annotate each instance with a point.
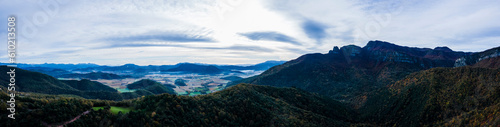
(115, 109)
(196, 84)
(124, 90)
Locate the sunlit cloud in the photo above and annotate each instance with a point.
(229, 32)
(270, 36)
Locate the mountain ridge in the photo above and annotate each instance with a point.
(351, 72)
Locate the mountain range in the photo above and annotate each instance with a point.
(380, 84)
(351, 72)
(35, 82)
(94, 71)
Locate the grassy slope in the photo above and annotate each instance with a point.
(115, 109)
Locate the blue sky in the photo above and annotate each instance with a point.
(115, 32)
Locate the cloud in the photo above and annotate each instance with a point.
(165, 44)
(162, 36)
(314, 30)
(270, 36)
(215, 31)
(249, 48)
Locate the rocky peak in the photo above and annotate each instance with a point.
(477, 57)
(381, 45)
(351, 50)
(444, 48)
(335, 50)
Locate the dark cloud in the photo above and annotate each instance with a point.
(270, 36)
(314, 30)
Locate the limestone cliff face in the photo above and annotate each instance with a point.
(381, 51)
(477, 57)
(350, 72)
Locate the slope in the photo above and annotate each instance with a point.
(463, 96)
(241, 105)
(28, 81)
(348, 74)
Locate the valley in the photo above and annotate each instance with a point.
(196, 84)
(198, 79)
(380, 84)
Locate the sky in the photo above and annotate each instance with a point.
(161, 32)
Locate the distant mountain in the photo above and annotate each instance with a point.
(49, 71)
(128, 68)
(463, 96)
(94, 76)
(67, 70)
(124, 67)
(261, 66)
(55, 66)
(195, 68)
(349, 73)
(232, 78)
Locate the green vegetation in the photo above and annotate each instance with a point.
(232, 78)
(194, 93)
(182, 93)
(151, 86)
(35, 82)
(125, 90)
(372, 94)
(114, 109)
(143, 83)
(463, 96)
(87, 85)
(333, 77)
(241, 105)
(180, 82)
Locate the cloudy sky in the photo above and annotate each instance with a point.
(115, 32)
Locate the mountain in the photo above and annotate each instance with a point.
(490, 55)
(241, 105)
(349, 73)
(260, 66)
(94, 71)
(180, 82)
(151, 86)
(488, 63)
(35, 82)
(55, 66)
(54, 72)
(87, 85)
(232, 78)
(28, 81)
(195, 68)
(94, 76)
(464, 96)
(125, 67)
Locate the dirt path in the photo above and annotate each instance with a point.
(67, 122)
